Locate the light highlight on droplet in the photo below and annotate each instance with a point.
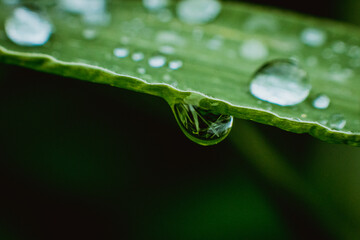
(281, 82)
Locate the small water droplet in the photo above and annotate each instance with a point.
(198, 34)
(137, 56)
(164, 15)
(328, 54)
(175, 64)
(312, 61)
(27, 27)
(339, 47)
(157, 61)
(83, 6)
(253, 50)
(321, 102)
(141, 70)
(121, 52)
(170, 37)
(281, 82)
(199, 11)
(261, 23)
(10, 2)
(166, 49)
(354, 52)
(215, 43)
(97, 18)
(155, 5)
(202, 126)
(313, 37)
(337, 121)
(89, 34)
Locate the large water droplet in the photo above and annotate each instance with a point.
(337, 121)
(321, 102)
(27, 27)
(198, 11)
(157, 61)
(155, 5)
(313, 37)
(281, 82)
(202, 126)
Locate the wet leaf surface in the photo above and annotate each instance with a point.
(217, 68)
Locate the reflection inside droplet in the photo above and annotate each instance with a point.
(202, 126)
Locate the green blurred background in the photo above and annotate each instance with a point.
(85, 161)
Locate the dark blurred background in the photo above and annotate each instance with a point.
(87, 161)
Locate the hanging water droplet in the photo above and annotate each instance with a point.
(175, 64)
(137, 56)
(27, 27)
(337, 121)
(321, 102)
(157, 61)
(313, 37)
(199, 11)
(281, 82)
(155, 5)
(121, 52)
(202, 126)
(253, 50)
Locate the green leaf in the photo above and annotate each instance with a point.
(216, 79)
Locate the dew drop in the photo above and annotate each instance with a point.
(202, 126)
(253, 50)
(312, 61)
(337, 121)
(82, 6)
(175, 64)
(198, 34)
(199, 11)
(164, 15)
(155, 5)
(27, 27)
(121, 52)
(215, 43)
(157, 61)
(89, 34)
(137, 56)
(141, 70)
(321, 102)
(339, 47)
(10, 2)
(281, 82)
(166, 49)
(313, 37)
